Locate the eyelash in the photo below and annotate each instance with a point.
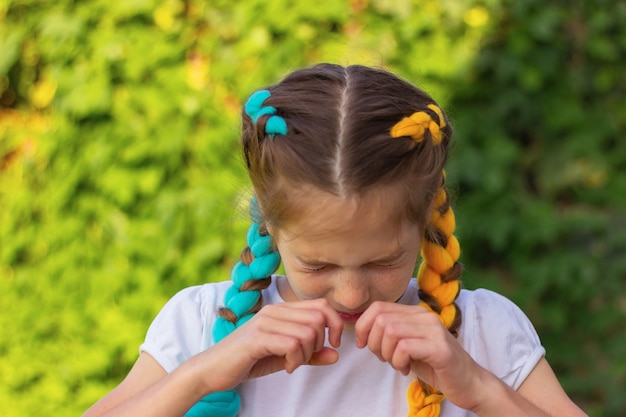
(386, 265)
(376, 265)
(315, 269)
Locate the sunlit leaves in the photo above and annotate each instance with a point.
(121, 180)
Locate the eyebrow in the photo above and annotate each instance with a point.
(388, 258)
(309, 261)
(391, 257)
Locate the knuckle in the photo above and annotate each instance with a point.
(309, 335)
(403, 346)
(391, 330)
(321, 302)
(377, 307)
(292, 345)
(318, 316)
(380, 320)
(315, 318)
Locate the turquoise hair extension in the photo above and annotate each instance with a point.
(255, 103)
(217, 404)
(265, 263)
(254, 108)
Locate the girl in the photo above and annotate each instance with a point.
(347, 170)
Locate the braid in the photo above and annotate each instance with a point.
(259, 260)
(251, 275)
(243, 299)
(439, 273)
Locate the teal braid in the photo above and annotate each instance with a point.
(275, 125)
(241, 303)
(266, 261)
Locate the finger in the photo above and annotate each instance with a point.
(295, 355)
(402, 354)
(309, 337)
(331, 318)
(389, 340)
(414, 355)
(366, 323)
(387, 330)
(374, 339)
(273, 352)
(286, 347)
(335, 329)
(363, 325)
(419, 337)
(260, 334)
(289, 319)
(326, 356)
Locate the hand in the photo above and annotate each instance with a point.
(412, 339)
(279, 337)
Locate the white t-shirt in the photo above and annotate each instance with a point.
(494, 331)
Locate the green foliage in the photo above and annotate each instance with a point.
(120, 178)
(541, 174)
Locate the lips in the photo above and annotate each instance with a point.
(349, 317)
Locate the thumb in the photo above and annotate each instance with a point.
(326, 356)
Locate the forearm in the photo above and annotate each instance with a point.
(171, 395)
(501, 400)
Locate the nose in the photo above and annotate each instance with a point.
(351, 290)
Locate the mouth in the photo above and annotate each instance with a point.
(349, 317)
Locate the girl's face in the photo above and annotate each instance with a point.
(347, 251)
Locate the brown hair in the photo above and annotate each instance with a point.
(338, 141)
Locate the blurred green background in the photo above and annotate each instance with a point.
(121, 181)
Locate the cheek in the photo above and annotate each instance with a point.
(304, 285)
(392, 284)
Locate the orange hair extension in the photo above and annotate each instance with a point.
(419, 122)
(439, 272)
(438, 280)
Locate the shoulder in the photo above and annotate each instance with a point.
(498, 335)
(487, 311)
(482, 302)
(200, 296)
(183, 326)
(195, 301)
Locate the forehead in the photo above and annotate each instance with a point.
(316, 212)
(348, 231)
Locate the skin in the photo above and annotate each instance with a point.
(342, 259)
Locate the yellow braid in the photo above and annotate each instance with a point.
(419, 122)
(438, 262)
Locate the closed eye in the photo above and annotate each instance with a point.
(390, 262)
(314, 268)
(386, 264)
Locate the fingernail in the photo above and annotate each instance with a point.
(358, 343)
